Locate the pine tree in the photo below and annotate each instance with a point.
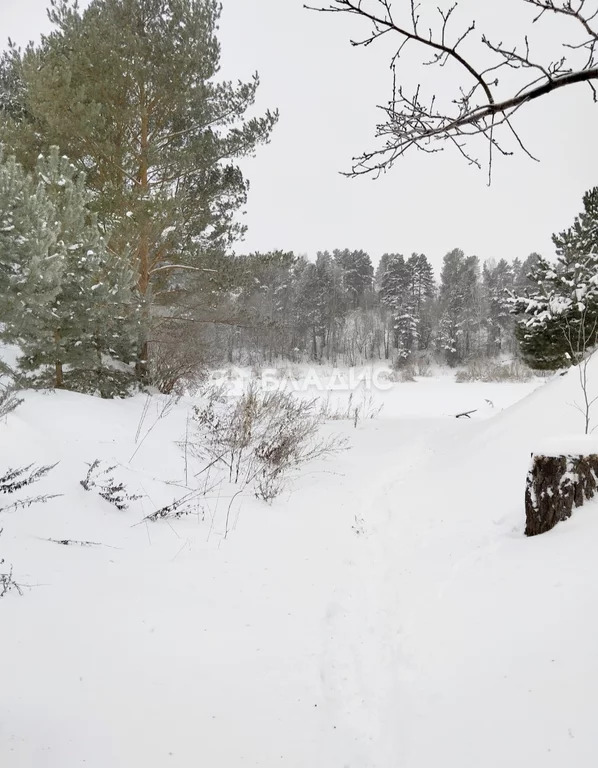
(397, 295)
(559, 314)
(357, 274)
(498, 279)
(12, 90)
(581, 239)
(309, 306)
(69, 304)
(381, 270)
(460, 307)
(265, 300)
(422, 290)
(523, 273)
(126, 88)
(31, 263)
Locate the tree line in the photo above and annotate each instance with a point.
(339, 309)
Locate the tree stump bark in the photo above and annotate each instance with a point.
(555, 485)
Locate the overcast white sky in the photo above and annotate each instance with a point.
(326, 92)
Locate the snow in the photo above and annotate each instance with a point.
(568, 445)
(386, 611)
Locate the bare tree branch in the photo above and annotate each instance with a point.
(476, 109)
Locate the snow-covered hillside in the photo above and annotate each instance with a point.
(385, 612)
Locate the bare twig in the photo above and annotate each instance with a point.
(476, 109)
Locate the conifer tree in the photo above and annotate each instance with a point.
(399, 293)
(559, 314)
(357, 274)
(30, 257)
(12, 96)
(581, 239)
(68, 303)
(127, 89)
(498, 279)
(422, 291)
(460, 306)
(523, 272)
(265, 299)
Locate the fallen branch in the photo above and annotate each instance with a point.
(466, 414)
(15, 479)
(177, 509)
(29, 501)
(76, 542)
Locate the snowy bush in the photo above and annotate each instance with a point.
(102, 480)
(177, 357)
(356, 409)
(8, 400)
(14, 479)
(490, 370)
(7, 582)
(181, 507)
(261, 437)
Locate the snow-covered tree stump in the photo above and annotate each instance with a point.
(557, 482)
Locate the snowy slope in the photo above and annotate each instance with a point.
(496, 631)
(386, 613)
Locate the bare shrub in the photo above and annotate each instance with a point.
(178, 355)
(100, 478)
(407, 374)
(8, 400)
(355, 410)
(578, 341)
(368, 408)
(7, 582)
(423, 367)
(491, 370)
(181, 507)
(261, 437)
(329, 411)
(164, 407)
(14, 479)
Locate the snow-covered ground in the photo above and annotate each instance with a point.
(385, 612)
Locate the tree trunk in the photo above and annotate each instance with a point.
(555, 485)
(143, 249)
(58, 372)
(58, 376)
